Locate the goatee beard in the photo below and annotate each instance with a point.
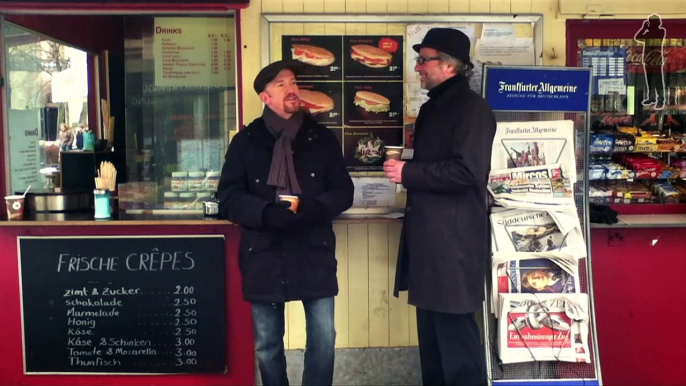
(291, 110)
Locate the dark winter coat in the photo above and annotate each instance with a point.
(299, 264)
(444, 247)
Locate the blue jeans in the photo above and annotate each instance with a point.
(268, 324)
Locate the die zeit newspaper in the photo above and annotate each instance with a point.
(544, 272)
(529, 144)
(531, 187)
(544, 327)
(519, 230)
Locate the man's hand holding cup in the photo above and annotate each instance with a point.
(394, 170)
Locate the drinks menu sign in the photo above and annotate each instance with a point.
(194, 52)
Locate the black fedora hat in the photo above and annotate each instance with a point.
(447, 40)
(268, 73)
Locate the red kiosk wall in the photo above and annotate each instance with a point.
(91, 33)
(239, 337)
(639, 302)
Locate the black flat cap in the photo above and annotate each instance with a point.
(270, 72)
(449, 41)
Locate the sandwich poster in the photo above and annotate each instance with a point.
(373, 104)
(364, 147)
(323, 101)
(373, 57)
(321, 54)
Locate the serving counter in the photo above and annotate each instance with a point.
(123, 219)
(366, 277)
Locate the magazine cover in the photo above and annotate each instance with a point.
(546, 272)
(520, 230)
(530, 144)
(544, 327)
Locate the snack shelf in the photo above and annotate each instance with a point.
(657, 191)
(630, 179)
(632, 201)
(593, 154)
(622, 201)
(624, 134)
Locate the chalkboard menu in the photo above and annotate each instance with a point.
(129, 305)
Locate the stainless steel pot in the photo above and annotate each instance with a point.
(58, 201)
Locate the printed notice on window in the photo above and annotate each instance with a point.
(194, 52)
(515, 52)
(498, 32)
(373, 192)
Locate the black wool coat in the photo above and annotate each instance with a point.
(444, 247)
(299, 264)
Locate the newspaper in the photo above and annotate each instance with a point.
(535, 187)
(544, 327)
(544, 191)
(545, 272)
(520, 230)
(551, 172)
(516, 204)
(529, 144)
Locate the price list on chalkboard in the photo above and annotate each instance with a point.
(136, 305)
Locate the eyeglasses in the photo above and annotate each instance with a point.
(423, 59)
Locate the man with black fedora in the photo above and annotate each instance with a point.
(287, 253)
(444, 244)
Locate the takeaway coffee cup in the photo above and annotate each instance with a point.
(15, 207)
(394, 152)
(292, 199)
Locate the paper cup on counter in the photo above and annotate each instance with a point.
(292, 199)
(15, 207)
(393, 152)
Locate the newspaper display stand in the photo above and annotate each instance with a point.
(533, 96)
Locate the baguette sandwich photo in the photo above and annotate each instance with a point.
(370, 56)
(313, 55)
(315, 102)
(372, 102)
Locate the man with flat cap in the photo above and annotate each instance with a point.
(444, 245)
(285, 256)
